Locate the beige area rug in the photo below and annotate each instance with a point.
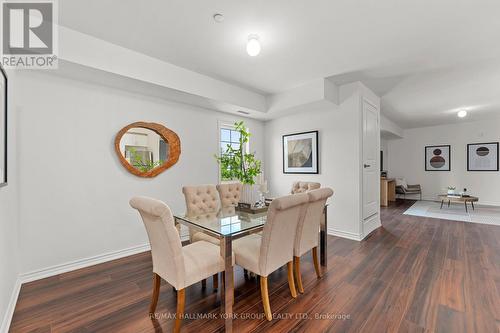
(456, 212)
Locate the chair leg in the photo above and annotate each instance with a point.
(298, 276)
(215, 278)
(291, 283)
(316, 262)
(156, 293)
(265, 298)
(181, 302)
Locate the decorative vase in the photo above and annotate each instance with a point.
(249, 194)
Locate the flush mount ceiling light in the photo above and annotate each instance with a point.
(253, 45)
(461, 113)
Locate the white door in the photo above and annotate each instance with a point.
(371, 176)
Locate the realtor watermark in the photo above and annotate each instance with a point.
(253, 316)
(29, 34)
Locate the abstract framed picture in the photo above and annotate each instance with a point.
(300, 153)
(482, 156)
(438, 158)
(3, 127)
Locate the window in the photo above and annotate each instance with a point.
(229, 137)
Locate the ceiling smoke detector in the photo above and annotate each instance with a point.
(218, 17)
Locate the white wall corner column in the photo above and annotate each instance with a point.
(366, 105)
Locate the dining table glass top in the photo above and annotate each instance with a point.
(225, 222)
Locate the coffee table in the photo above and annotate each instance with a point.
(463, 200)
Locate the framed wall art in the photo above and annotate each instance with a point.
(438, 158)
(300, 153)
(482, 156)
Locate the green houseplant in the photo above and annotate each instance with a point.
(237, 164)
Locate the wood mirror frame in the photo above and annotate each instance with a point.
(174, 146)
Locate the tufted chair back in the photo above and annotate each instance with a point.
(229, 194)
(308, 227)
(279, 231)
(201, 199)
(166, 248)
(302, 187)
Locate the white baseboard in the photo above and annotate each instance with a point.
(344, 234)
(9, 312)
(81, 263)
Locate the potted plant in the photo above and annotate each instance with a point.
(237, 164)
(451, 190)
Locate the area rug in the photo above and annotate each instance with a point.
(456, 212)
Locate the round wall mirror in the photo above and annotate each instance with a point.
(147, 149)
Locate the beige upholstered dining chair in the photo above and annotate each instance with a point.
(263, 255)
(306, 238)
(179, 266)
(202, 201)
(229, 194)
(301, 187)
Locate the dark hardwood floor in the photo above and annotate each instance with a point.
(412, 275)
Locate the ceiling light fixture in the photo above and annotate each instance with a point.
(461, 113)
(253, 45)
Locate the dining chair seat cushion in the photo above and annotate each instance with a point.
(201, 260)
(247, 251)
(201, 236)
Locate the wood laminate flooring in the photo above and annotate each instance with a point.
(412, 275)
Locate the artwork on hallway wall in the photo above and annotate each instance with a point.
(482, 156)
(300, 153)
(438, 158)
(3, 127)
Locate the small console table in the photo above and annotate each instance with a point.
(387, 191)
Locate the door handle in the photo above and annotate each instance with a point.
(367, 165)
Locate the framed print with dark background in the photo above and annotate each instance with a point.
(482, 156)
(300, 153)
(438, 158)
(3, 128)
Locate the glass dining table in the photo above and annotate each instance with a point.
(227, 225)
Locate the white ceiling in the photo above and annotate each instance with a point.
(425, 58)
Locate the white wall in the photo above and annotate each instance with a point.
(9, 221)
(406, 159)
(339, 154)
(74, 192)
